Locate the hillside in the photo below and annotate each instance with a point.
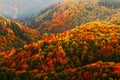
(87, 52)
(15, 35)
(70, 40)
(65, 15)
(23, 9)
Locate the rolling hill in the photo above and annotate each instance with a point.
(15, 35)
(65, 15)
(70, 40)
(87, 52)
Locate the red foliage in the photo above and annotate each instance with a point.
(50, 38)
(117, 69)
(115, 39)
(86, 75)
(63, 34)
(9, 61)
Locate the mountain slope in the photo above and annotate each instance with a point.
(73, 54)
(13, 34)
(22, 9)
(63, 16)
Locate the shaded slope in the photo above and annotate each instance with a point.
(13, 34)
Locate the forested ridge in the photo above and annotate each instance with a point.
(71, 13)
(15, 35)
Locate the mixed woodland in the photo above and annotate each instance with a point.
(70, 40)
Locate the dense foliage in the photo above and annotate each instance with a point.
(73, 54)
(66, 15)
(14, 35)
(86, 45)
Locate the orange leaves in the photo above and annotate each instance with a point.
(115, 39)
(111, 64)
(46, 39)
(23, 60)
(50, 38)
(12, 52)
(53, 37)
(73, 32)
(61, 60)
(27, 54)
(34, 71)
(50, 63)
(30, 47)
(9, 61)
(4, 54)
(88, 36)
(111, 78)
(63, 34)
(71, 50)
(61, 53)
(4, 28)
(50, 54)
(71, 69)
(60, 15)
(106, 29)
(24, 66)
(19, 55)
(13, 64)
(107, 47)
(20, 72)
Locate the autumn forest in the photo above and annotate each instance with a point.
(68, 40)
